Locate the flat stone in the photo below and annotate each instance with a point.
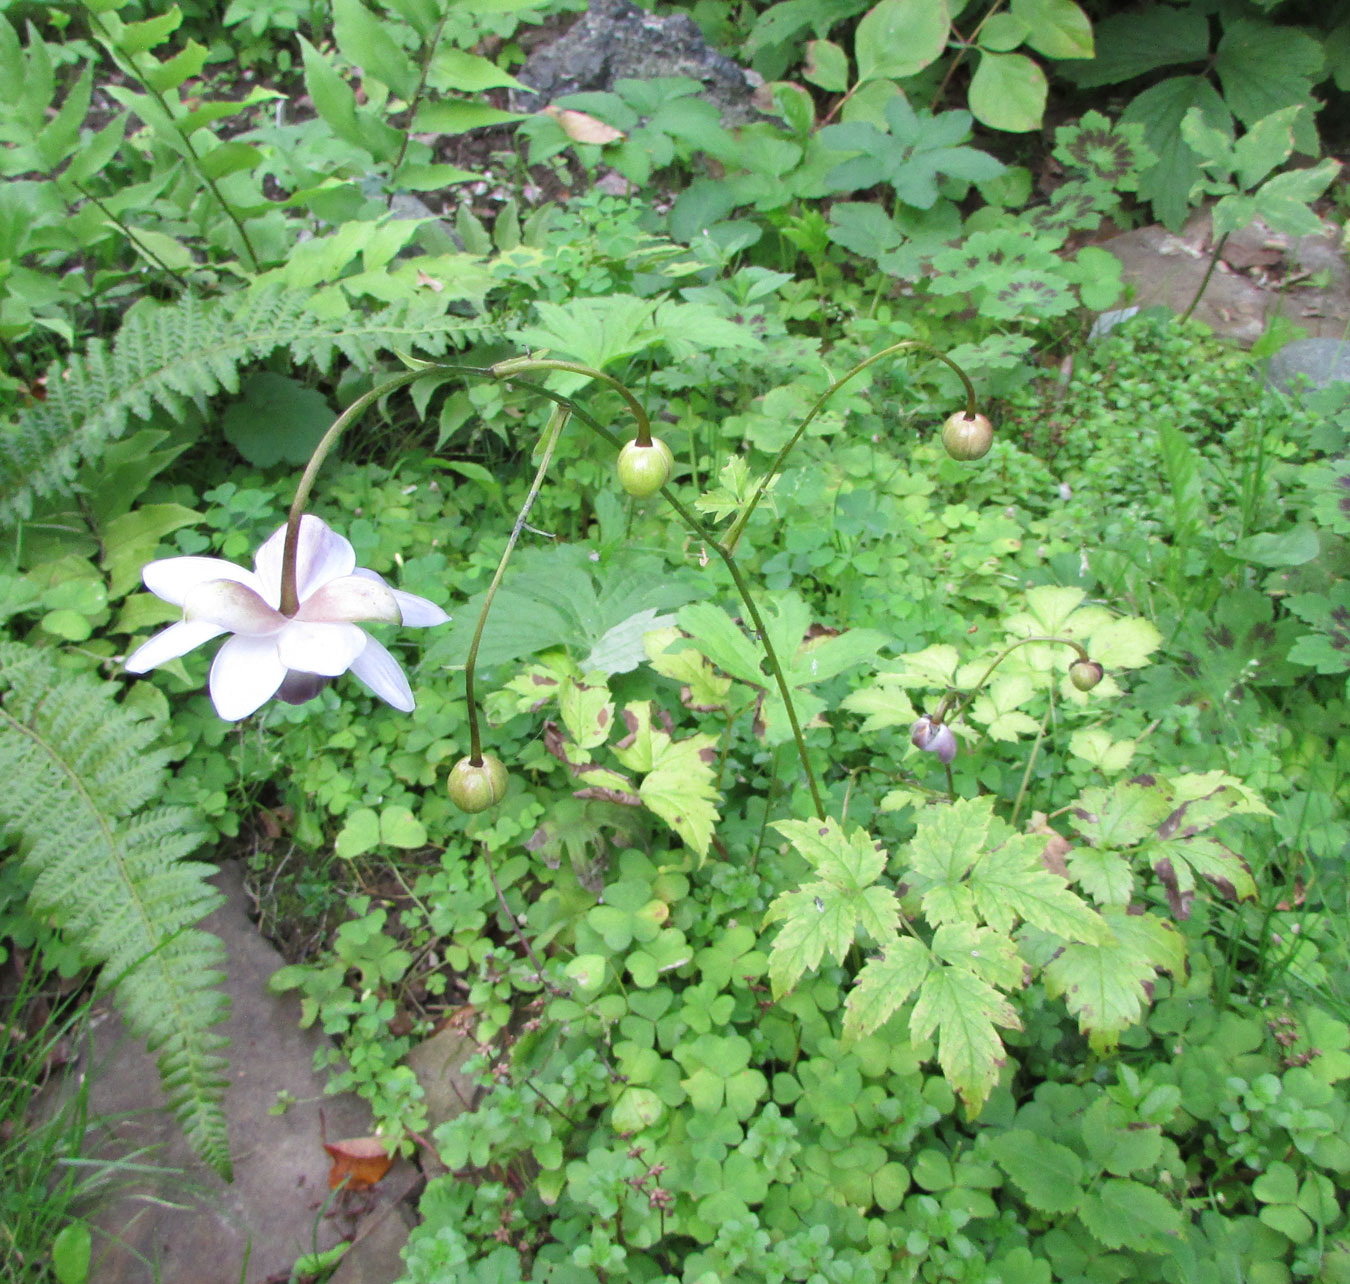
(1166, 268)
(446, 1090)
(1319, 361)
(616, 40)
(376, 1256)
(177, 1222)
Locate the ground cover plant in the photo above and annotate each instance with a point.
(864, 841)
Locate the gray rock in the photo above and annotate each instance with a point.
(618, 41)
(162, 1215)
(1319, 361)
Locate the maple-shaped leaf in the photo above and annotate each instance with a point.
(679, 782)
(805, 661)
(965, 1011)
(998, 707)
(825, 914)
(1105, 985)
(735, 485)
(969, 867)
(991, 955)
(587, 711)
(884, 985)
(703, 688)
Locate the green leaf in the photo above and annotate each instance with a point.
(458, 116)
(964, 1010)
(1124, 643)
(1264, 68)
(898, 38)
(400, 828)
(1284, 201)
(1049, 1176)
(1055, 28)
(1161, 110)
(72, 1250)
(884, 986)
(1008, 92)
(1133, 44)
(1265, 146)
(277, 420)
(679, 786)
(587, 712)
(1128, 1214)
(1288, 548)
(467, 73)
(360, 834)
(366, 43)
(1104, 984)
(826, 66)
(129, 541)
(826, 913)
(1120, 816)
(1105, 876)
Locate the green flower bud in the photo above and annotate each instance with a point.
(643, 470)
(967, 437)
(474, 787)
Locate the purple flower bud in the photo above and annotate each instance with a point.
(933, 737)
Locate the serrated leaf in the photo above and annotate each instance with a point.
(679, 782)
(1094, 745)
(1119, 816)
(1048, 1175)
(1135, 43)
(965, 1011)
(884, 986)
(706, 689)
(1128, 1214)
(1264, 68)
(998, 705)
(991, 955)
(826, 914)
(587, 711)
(1160, 110)
(1011, 883)
(1264, 146)
(1105, 876)
(1104, 984)
(884, 703)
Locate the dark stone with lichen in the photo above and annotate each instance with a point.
(616, 40)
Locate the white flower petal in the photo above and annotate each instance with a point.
(417, 612)
(322, 555)
(317, 647)
(382, 674)
(244, 676)
(351, 598)
(232, 606)
(168, 644)
(172, 578)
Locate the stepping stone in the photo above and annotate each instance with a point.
(1319, 361)
(165, 1216)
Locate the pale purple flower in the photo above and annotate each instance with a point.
(270, 654)
(934, 737)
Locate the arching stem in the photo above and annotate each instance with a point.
(951, 696)
(738, 526)
(557, 422)
(527, 365)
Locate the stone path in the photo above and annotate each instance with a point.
(171, 1220)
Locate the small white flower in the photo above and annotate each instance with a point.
(271, 654)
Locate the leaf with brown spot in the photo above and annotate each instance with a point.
(359, 1162)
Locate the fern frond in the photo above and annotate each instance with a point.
(79, 773)
(167, 354)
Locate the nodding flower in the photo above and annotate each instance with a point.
(271, 654)
(933, 737)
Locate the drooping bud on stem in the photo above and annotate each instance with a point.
(643, 470)
(934, 737)
(1085, 674)
(476, 786)
(966, 436)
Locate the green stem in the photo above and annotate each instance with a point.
(1031, 760)
(290, 600)
(129, 64)
(700, 531)
(131, 239)
(1209, 272)
(427, 54)
(734, 533)
(527, 365)
(947, 699)
(557, 422)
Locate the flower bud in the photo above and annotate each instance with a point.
(475, 787)
(1085, 674)
(643, 470)
(967, 437)
(933, 737)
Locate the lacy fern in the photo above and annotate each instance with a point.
(166, 354)
(81, 775)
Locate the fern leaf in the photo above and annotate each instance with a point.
(79, 771)
(169, 354)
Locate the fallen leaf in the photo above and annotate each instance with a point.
(429, 281)
(358, 1161)
(581, 128)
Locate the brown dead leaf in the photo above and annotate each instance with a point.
(430, 282)
(581, 128)
(358, 1161)
(1056, 848)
